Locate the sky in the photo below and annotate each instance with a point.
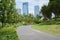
(32, 3)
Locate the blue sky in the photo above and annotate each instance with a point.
(32, 3)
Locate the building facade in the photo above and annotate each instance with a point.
(25, 8)
(36, 10)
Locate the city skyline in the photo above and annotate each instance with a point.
(25, 9)
(32, 3)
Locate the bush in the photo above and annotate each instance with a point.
(8, 33)
(7, 29)
(50, 22)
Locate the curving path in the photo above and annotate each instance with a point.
(26, 33)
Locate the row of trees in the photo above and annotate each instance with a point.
(29, 19)
(53, 7)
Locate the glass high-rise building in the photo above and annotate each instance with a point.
(36, 10)
(25, 8)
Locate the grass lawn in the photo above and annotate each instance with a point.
(51, 29)
(9, 32)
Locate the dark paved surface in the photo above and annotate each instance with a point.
(26, 33)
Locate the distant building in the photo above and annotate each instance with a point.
(25, 8)
(36, 10)
(19, 11)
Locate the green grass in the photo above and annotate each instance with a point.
(9, 32)
(51, 29)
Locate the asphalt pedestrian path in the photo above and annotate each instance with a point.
(27, 33)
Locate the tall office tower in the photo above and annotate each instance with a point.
(19, 11)
(36, 10)
(25, 8)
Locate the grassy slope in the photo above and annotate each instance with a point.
(9, 33)
(52, 29)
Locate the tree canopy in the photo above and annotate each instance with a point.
(52, 7)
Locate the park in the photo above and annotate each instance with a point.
(15, 26)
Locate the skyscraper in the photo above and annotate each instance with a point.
(25, 8)
(36, 10)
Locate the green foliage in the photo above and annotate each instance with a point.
(27, 19)
(8, 12)
(55, 6)
(50, 22)
(46, 11)
(7, 29)
(37, 19)
(52, 7)
(8, 33)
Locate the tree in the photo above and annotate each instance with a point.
(7, 8)
(55, 6)
(46, 12)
